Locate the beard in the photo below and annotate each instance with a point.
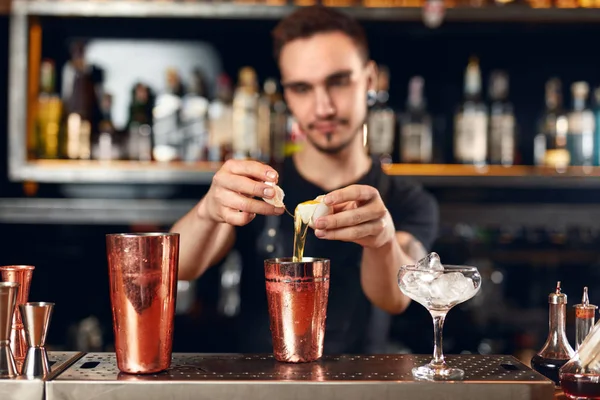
(333, 150)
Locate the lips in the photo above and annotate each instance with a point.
(325, 128)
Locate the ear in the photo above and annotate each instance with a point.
(372, 74)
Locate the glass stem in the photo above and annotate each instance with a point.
(438, 327)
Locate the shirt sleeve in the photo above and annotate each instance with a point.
(414, 210)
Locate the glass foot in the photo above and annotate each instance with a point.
(437, 373)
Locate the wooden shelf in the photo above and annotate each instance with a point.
(4, 7)
(488, 170)
(231, 10)
(497, 176)
(64, 171)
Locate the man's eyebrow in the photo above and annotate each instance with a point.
(337, 74)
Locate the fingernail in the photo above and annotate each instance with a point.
(319, 233)
(328, 200)
(271, 175)
(320, 224)
(268, 192)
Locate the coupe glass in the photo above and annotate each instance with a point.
(438, 291)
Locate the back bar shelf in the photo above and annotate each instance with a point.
(24, 15)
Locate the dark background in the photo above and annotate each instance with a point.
(70, 259)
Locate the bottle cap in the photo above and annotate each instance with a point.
(557, 297)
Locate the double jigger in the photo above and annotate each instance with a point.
(36, 319)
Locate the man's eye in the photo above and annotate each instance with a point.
(339, 81)
(299, 89)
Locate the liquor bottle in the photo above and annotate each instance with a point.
(139, 125)
(80, 101)
(49, 114)
(220, 122)
(471, 120)
(557, 350)
(502, 121)
(550, 144)
(245, 115)
(194, 124)
(106, 149)
(166, 130)
(272, 120)
(597, 127)
(381, 119)
(415, 126)
(580, 137)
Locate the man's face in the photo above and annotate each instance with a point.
(325, 83)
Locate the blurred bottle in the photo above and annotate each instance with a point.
(502, 121)
(381, 119)
(550, 144)
(245, 115)
(49, 113)
(220, 121)
(416, 141)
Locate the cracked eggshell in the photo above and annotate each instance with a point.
(311, 210)
(276, 201)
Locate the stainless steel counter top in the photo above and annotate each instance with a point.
(21, 388)
(248, 377)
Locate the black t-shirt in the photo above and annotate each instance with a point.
(413, 210)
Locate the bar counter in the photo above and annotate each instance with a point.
(78, 375)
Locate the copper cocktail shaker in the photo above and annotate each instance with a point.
(297, 295)
(20, 274)
(143, 286)
(8, 299)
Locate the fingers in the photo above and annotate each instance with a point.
(360, 193)
(351, 217)
(238, 202)
(353, 233)
(243, 185)
(236, 218)
(251, 169)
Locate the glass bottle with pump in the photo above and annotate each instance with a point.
(556, 351)
(580, 377)
(585, 316)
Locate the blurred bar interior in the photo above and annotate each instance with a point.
(116, 115)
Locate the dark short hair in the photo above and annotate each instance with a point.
(309, 21)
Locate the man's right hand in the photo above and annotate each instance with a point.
(230, 198)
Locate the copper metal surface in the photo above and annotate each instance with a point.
(255, 376)
(23, 388)
(143, 286)
(36, 319)
(22, 275)
(8, 299)
(297, 294)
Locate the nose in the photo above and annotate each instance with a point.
(324, 106)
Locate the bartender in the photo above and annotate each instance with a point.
(381, 222)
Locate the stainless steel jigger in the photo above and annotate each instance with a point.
(36, 319)
(8, 299)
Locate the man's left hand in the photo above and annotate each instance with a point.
(359, 216)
